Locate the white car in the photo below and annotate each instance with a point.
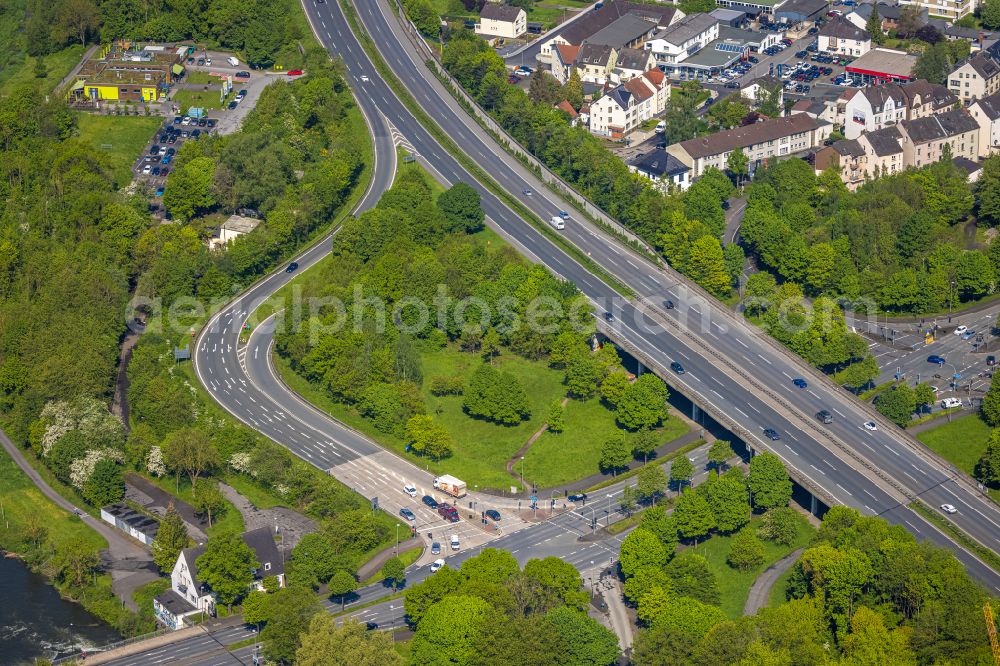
(437, 564)
(410, 490)
(961, 329)
(147, 169)
(870, 425)
(364, 78)
(455, 543)
(948, 508)
(186, 121)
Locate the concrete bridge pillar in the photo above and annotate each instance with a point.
(813, 505)
(695, 413)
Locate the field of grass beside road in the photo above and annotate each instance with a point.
(961, 442)
(57, 66)
(121, 138)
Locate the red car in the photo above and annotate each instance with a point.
(295, 72)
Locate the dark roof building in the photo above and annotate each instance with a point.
(940, 126)
(841, 28)
(741, 137)
(885, 141)
(500, 12)
(633, 59)
(594, 54)
(798, 11)
(598, 19)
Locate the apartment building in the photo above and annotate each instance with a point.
(849, 158)
(926, 137)
(769, 139)
(986, 112)
(843, 37)
(622, 109)
(500, 20)
(632, 63)
(684, 38)
(871, 108)
(924, 98)
(976, 77)
(595, 62)
(948, 9)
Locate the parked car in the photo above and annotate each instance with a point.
(167, 158)
(159, 191)
(232, 105)
(991, 360)
(295, 72)
(156, 171)
(212, 122)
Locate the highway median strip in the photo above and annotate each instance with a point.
(990, 558)
(468, 164)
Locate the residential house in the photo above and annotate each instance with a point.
(843, 37)
(666, 171)
(757, 88)
(568, 109)
(926, 137)
(873, 107)
(848, 157)
(972, 170)
(622, 109)
(975, 77)
(500, 20)
(595, 62)
(888, 13)
(586, 27)
(563, 61)
(924, 98)
(188, 596)
(632, 63)
(884, 150)
(683, 38)
(947, 9)
(986, 112)
(762, 141)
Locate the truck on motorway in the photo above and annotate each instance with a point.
(557, 222)
(450, 485)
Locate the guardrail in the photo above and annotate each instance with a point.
(83, 654)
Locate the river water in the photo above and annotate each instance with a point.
(36, 622)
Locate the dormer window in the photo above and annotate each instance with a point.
(267, 566)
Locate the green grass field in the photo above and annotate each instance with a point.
(58, 65)
(961, 442)
(229, 521)
(208, 99)
(574, 453)
(20, 498)
(735, 584)
(121, 138)
(549, 13)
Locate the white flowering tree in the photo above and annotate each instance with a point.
(154, 462)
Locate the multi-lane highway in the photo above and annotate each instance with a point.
(729, 364)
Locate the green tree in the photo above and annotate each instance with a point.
(189, 188)
(897, 404)
(691, 617)
(449, 631)
(644, 404)
(707, 266)
(643, 444)
(987, 188)
(681, 471)
(614, 387)
(746, 552)
(860, 374)
(738, 164)
(780, 525)
(227, 566)
(694, 515)
(519, 640)
(734, 258)
(871, 642)
(191, 451)
(991, 14)
(314, 560)
(727, 497)
(342, 583)
(426, 437)
(874, 26)
(325, 643)
(719, 453)
(496, 396)
(208, 500)
(988, 467)
(651, 482)
(990, 408)
(557, 417)
(171, 538)
(256, 608)
(588, 643)
(582, 373)
(924, 396)
(106, 483)
(681, 120)
(462, 207)
(641, 549)
(769, 484)
(559, 582)
(422, 13)
(76, 561)
(614, 454)
(628, 500)
(769, 101)
(290, 611)
(573, 89)
(394, 572)
(933, 63)
(691, 576)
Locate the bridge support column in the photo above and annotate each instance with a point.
(813, 505)
(695, 413)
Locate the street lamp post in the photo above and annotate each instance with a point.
(396, 551)
(609, 509)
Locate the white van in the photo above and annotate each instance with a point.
(557, 222)
(950, 403)
(455, 545)
(233, 61)
(661, 127)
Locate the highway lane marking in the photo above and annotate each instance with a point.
(753, 408)
(745, 415)
(717, 393)
(870, 510)
(786, 374)
(817, 469)
(918, 469)
(844, 489)
(865, 491)
(839, 413)
(745, 346)
(830, 464)
(763, 359)
(911, 476)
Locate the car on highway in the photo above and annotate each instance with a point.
(578, 497)
(407, 514)
(949, 508)
(429, 501)
(435, 548)
(564, 215)
(968, 335)
(870, 425)
(291, 267)
(771, 434)
(934, 358)
(801, 383)
(371, 626)
(526, 192)
(991, 360)
(492, 514)
(961, 329)
(824, 416)
(609, 316)
(677, 367)
(668, 304)
(437, 564)
(410, 490)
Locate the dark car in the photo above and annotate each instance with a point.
(991, 360)
(171, 151)
(754, 59)
(190, 61)
(824, 416)
(801, 383)
(164, 171)
(371, 626)
(435, 548)
(212, 122)
(771, 434)
(202, 122)
(731, 84)
(677, 367)
(172, 139)
(291, 267)
(156, 171)
(934, 358)
(201, 61)
(444, 507)
(232, 105)
(195, 133)
(801, 54)
(526, 192)
(493, 514)
(668, 304)
(608, 316)
(407, 514)
(154, 150)
(430, 501)
(579, 497)
(243, 75)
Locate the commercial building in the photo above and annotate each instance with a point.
(800, 11)
(666, 171)
(844, 38)
(882, 66)
(591, 27)
(769, 139)
(500, 20)
(976, 77)
(123, 72)
(684, 38)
